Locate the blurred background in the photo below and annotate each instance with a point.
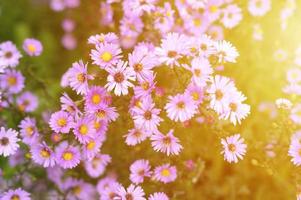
(260, 73)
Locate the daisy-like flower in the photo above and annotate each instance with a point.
(139, 170)
(180, 107)
(201, 71)
(119, 78)
(67, 104)
(259, 7)
(225, 51)
(284, 103)
(29, 131)
(172, 48)
(165, 173)
(132, 192)
(202, 46)
(79, 77)
(67, 156)
(146, 115)
(95, 98)
(106, 55)
(136, 136)
(104, 113)
(32, 47)
(294, 151)
(27, 102)
(78, 189)
(146, 86)
(295, 114)
(97, 165)
(103, 38)
(234, 148)
(17, 194)
(92, 147)
(220, 91)
(232, 15)
(109, 192)
(8, 142)
(158, 196)
(168, 143)
(84, 130)
(142, 61)
(61, 121)
(293, 75)
(43, 155)
(12, 81)
(9, 55)
(236, 110)
(196, 92)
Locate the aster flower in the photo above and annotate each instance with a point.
(12, 81)
(284, 103)
(165, 173)
(130, 25)
(61, 121)
(43, 155)
(147, 116)
(180, 107)
(8, 142)
(92, 147)
(236, 110)
(103, 38)
(9, 55)
(201, 71)
(132, 192)
(202, 46)
(168, 143)
(294, 152)
(84, 130)
(32, 47)
(232, 15)
(234, 148)
(79, 77)
(164, 18)
(67, 156)
(197, 93)
(27, 102)
(97, 165)
(139, 169)
(119, 78)
(295, 114)
(96, 97)
(158, 196)
(67, 104)
(78, 189)
(145, 87)
(142, 61)
(136, 136)
(259, 7)
(17, 194)
(106, 55)
(29, 131)
(226, 52)
(172, 48)
(110, 191)
(220, 91)
(104, 113)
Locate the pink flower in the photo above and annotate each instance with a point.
(106, 55)
(27, 102)
(136, 136)
(168, 143)
(119, 78)
(225, 51)
(197, 93)
(201, 71)
(259, 7)
(8, 142)
(43, 155)
(9, 55)
(95, 98)
(139, 169)
(147, 116)
(165, 173)
(180, 107)
(158, 196)
(103, 38)
(97, 165)
(12, 81)
(32, 47)
(79, 77)
(29, 131)
(84, 130)
(232, 15)
(67, 156)
(18, 194)
(234, 148)
(61, 121)
(132, 192)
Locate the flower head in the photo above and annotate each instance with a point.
(32, 47)
(234, 148)
(8, 142)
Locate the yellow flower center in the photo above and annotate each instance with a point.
(96, 99)
(29, 130)
(197, 72)
(11, 80)
(81, 77)
(15, 197)
(233, 107)
(83, 129)
(101, 114)
(67, 155)
(165, 172)
(213, 9)
(181, 105)
(231, 147)
(45, 153)
(145, 85)
(197, 22)
(106, 56)
(195, 96)
(32, 48)
(90, 145)
(61, 122)
(138, 67)
(219, 94)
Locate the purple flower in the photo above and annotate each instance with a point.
(17, 194)
(29, 131)
(61, 121)
(32, 47)
(158, 196)
(95, 98)
(92, 147)
(12, 81)
(9, 55)
(67, 156)
(165, 173)
(97, 165)
(139, 169)
(43, 155)
(103, 38)
(132, 192)
(84, 130)
(8, 142)
(168, 143)
(27, 102)
(136, 136)
(234, 148)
